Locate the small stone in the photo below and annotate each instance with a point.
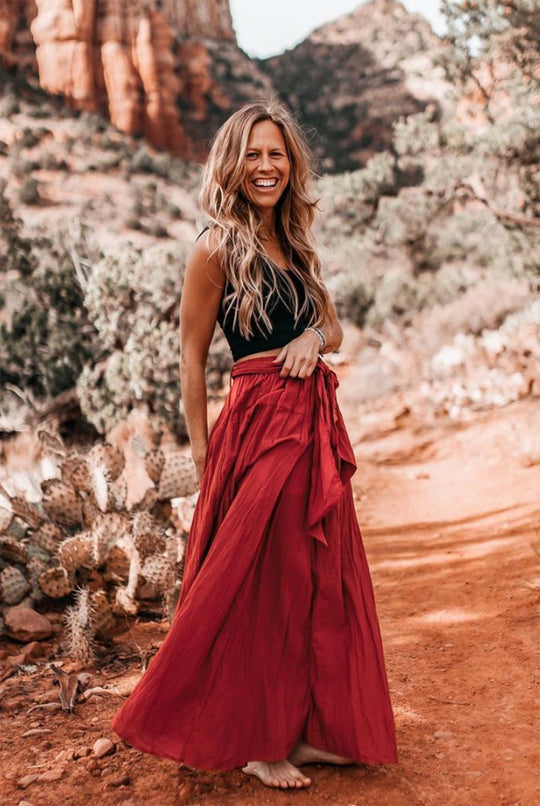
(74, 666)
(118, 779)
(24, 803)
(51, 775)
(26, 780)
(443, 734)
(103, 747)
(51, 695)
(16, 660)
(25, 624)
(32, 650)
(84, 678)
(9, 704)
(36, 732)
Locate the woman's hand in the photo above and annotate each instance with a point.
(299, 356)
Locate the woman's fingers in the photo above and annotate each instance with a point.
(282, 354)
(298, 365)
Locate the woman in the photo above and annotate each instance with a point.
(274, 657)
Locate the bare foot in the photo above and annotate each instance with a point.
(277, 774)
(304, 753)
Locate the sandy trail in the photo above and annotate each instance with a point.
(448, 516)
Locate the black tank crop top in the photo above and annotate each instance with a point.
(280, 315)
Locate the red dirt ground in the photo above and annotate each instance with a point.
(449, 514)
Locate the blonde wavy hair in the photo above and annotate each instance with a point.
(237, 222)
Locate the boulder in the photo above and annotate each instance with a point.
(25, 624)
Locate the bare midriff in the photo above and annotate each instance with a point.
(273, 351)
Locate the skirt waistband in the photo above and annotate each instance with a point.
(263, 363)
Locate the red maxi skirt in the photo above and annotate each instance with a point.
(275, 634)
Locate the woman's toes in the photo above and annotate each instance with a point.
(280, 774)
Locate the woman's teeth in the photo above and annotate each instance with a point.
(265, 183)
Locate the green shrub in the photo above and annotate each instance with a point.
(48, 337)
(29, 191)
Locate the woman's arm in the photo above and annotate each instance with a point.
(300, 355)
(333, 331)
(201, 296)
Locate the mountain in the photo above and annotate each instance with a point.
(352, 78)
(172, 70)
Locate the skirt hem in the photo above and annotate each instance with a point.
(228, 766)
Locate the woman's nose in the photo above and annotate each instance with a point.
(264, 162)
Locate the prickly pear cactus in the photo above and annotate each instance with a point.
(80, 630)
(61, 502)
(56, 582)
(13, 585)
(77, 552)
(81, 542)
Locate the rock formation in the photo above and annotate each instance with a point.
(140, 62)
(16, 44)
(216, 77)
(113, 56)
(194, 18)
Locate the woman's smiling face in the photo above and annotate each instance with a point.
(267, 164)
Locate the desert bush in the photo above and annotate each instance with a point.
(29, 191)
(350, 199)
(144, 373)
(417, 134)
(92, 123)
(48, 337)
(15, 248)
(472, 235)
(354, 297)
(397, 296)
(132, 298)
(404, 220)
(51, 162)
(132, 284)
(9, 104)
(142, 161)
(29, 137)
(480, 303)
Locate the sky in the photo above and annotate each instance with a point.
(270, 28)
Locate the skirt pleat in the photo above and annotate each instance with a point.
(275, 634)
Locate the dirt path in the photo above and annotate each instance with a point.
(448, 516)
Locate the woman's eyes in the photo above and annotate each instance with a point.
(272, 154)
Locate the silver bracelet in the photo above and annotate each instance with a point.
(319, 333)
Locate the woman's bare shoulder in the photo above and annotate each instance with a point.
(204, 256)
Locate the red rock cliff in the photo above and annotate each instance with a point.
(114, 56)
(119, 57)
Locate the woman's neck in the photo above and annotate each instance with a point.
(268, 229)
